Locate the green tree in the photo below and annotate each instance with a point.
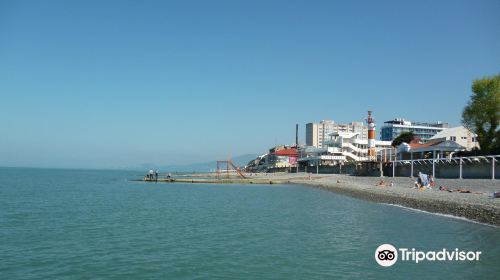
(405, 137)
(482, 113)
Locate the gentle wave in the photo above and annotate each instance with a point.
(441, 214)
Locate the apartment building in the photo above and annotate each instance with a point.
(393, 128)
(318, 133)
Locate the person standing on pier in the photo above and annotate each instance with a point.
(156, 175)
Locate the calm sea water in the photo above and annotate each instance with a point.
(75, 224)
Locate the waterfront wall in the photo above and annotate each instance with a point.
(361, 169)
(481, 170)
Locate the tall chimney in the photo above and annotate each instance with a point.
(297, 135)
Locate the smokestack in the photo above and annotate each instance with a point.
(297, 135)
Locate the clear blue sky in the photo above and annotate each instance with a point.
(105, 84)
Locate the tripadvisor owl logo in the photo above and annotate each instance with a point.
(386, 255)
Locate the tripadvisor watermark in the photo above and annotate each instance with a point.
(388, 255)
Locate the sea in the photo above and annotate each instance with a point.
(98, 224)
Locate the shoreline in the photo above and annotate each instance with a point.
(474, 211)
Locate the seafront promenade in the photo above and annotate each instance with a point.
(468, 198)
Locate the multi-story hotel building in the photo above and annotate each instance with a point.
(392, 129)
(318, 133)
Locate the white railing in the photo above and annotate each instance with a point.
(453, 160)
(355, 157)
(354, 148)
(322, 157)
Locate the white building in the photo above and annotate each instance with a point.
(393, 128)
(460, 135)
(317, 133)
(341, 147)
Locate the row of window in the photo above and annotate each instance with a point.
(454, 138)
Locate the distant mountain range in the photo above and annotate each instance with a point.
(199, 167)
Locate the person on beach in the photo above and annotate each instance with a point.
(432, 183)
(383, 184)
(422, 182)
(445, 188)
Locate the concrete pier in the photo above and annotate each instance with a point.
(224, 180)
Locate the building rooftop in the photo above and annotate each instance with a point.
(288, 152)
(451, 131)
(401, 121)
(436, 145)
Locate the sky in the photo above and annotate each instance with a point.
(115, 84)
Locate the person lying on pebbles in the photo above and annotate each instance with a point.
(382, 184)
(445, 188)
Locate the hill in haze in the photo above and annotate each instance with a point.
(200, 166)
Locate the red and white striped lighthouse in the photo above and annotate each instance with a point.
(372, 152)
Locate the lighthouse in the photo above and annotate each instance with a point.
(372, 152)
